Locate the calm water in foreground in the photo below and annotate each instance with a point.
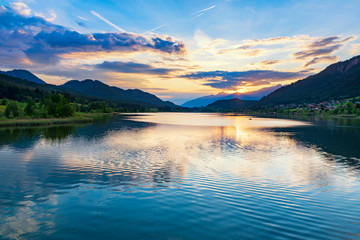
(182, 176)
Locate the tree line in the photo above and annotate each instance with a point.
(51, 106)
(58, 105)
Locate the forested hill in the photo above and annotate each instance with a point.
(231, 105)
(98, 89)
(24, 75)
(16, 88)
(338, 81)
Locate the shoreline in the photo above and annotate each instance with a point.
(81, 118)
(307, 117)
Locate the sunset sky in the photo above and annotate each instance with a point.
(178, 50)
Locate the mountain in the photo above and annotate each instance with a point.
(20, 84)
(99, 89)
(206, 100)
(18, 89)
(231, 105)
(338, 81)
(24, 74)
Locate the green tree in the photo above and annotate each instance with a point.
(4, 102)
(30, 107)
(350, 107)
(12, 110)
(57, 105)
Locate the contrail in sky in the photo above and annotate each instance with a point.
(155, 29)
(197, 15)
(107, 21)
(204, 10)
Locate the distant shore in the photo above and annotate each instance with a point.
(305, 116)
(82, 118)
(78, 118)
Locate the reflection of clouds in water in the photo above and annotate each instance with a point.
(26, 221)
(170, 152)
(212, 119)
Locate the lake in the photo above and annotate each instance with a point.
(182, 176)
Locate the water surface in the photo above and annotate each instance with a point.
(182, 176)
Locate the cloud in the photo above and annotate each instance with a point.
(107, 21)
(240, 48)
(132, 67)
(355, 49)
(156, 89)
(21, 8)
(321, 60)
(316, 52)
(270, 62)
(50, 19)
(329, 41)
(81, 24)
(324, 42)
(322, 47)
(232, 80)
(43, 42)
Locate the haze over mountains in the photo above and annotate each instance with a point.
(206, 100)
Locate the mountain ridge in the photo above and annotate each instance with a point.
(233, 104)
(337, 81)
(24, 74)
(96, 88)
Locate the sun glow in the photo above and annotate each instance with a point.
(241, 90)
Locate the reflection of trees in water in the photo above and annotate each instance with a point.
(24, 138)
(21, 138)
(340, 138)
(58, 133)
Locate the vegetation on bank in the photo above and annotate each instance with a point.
(334, 108)
(51, 109)
(57, 106)
(341, 108)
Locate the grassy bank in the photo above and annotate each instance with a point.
(77, 118)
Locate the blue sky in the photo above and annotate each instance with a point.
(195, 48)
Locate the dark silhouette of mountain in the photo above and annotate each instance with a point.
(231, 105)
(98, 89)
(24, 74)
(338, 81)
(18, 89)
(20, 84)
(206, 100)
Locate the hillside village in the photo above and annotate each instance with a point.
(346, 106)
